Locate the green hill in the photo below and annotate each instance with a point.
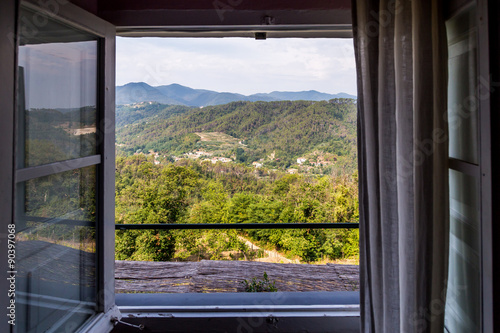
(176, 184)
(273, 133)
(130, 114)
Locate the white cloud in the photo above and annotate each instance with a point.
(239, 65)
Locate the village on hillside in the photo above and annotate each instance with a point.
(221, 148)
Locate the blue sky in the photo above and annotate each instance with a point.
(240, 65)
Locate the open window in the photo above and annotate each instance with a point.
(64, 203)
(158, 287)
(469, 162)
(64, 255)
(64, 181)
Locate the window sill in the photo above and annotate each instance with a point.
(241, 312)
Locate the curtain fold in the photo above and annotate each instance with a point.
(401, 59)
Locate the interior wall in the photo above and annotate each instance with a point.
(494, 43)
(88, 5)
(209, 4)
(223, 12)
(7, 73)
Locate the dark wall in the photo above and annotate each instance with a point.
(219, 12)
(88, 5)
(494, 43)
(209, 4)
(7, 72)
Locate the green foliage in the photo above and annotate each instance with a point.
(240, 155)
(288, 128)
(68, 195)
(56, 135)
(257, 286)
(137, 113)
(150, 194)
(154, 246)
(194, 192)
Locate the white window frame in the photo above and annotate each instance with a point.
(82, 20)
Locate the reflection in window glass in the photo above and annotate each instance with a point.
(56, 250)
(55, 215)
(57, 93)
(463, 299)
(462, 86)
(463, 302)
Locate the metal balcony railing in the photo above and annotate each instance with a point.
(240, 226)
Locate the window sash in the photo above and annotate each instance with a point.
(79, 19)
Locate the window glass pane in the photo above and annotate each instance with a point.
(462, 87)
(463, 298)
(57, 92)
(56, 251)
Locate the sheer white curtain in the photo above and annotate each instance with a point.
(401, 60)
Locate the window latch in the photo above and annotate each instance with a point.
(117, 321)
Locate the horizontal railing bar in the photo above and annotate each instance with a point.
(242, 226)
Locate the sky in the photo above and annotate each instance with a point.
(239, 65)
(59, 75)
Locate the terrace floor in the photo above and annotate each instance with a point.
(214, 276)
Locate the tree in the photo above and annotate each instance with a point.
(151, 194)
(240, 155)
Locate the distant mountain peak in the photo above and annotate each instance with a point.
(177, 94)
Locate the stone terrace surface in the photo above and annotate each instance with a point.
(210, 276)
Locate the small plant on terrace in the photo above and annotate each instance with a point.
(255, 286)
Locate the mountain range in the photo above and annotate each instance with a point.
(176, 94)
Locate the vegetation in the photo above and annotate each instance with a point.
(263, 285)
(55, 135)
(189, 191)
(52, 202)
(129, 114)
(273, 133)
(242, 162)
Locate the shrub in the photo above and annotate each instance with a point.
(255, 286)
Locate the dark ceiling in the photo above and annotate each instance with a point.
(161, 13)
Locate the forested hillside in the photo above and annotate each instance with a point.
(242, 162)
(274, 134)
(131, 114)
